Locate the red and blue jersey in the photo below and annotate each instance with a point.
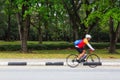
(83, 43)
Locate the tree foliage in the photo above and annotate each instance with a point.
(59, 20)
(108, 13)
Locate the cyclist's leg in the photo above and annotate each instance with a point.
(81, 51)
(82, 54)
(83, 58)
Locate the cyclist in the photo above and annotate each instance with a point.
(80, 47)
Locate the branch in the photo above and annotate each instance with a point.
(73, 5)
(65, 5)
(79, 5)
(93, 25)
(32, 24)
(111, 25)
(117, 31)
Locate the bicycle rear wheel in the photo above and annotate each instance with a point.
(71, 60)
(93, 58)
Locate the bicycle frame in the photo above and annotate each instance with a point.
(92, 60)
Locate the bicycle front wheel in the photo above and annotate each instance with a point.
(71, 60)
(93, 58)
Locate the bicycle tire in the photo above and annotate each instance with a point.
(93, 58)
(71, 60)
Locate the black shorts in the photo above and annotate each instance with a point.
(80, 50)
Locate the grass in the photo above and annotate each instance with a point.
(31, 42)
(61, 54)
(47, 45)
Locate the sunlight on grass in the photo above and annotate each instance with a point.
(31, 42)
(103, 53)
(54, 54)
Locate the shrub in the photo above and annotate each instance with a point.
(50, 46)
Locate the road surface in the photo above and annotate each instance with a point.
(58, 73)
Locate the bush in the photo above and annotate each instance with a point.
(50, 46)
(9, 47)
(100, 45)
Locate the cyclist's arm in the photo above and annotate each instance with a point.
(87, 43)
(90, 47)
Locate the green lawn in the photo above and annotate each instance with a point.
(31, 42)
(47, 45)
(55, 50)
(54, 54)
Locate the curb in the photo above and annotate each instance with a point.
(111, 64)
(54, 64)
(32, 64)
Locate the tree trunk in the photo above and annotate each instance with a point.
(74, 26)
(75, 33)
(19, 24)
(24, 41)
(8, 28)
(40, 35)
(23, 26)
(112, 47)
(24, 33)
(8, 32)
(39, 30)
(46, 30)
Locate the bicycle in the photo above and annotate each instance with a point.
(89, 58)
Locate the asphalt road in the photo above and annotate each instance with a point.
(58, 73)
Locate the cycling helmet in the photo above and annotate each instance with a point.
(88, 36)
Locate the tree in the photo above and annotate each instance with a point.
(72, 8)
(108, 13)
(48, 16)
(112, 15)
(78, 11)
(40, 17)
(8, 10)
(114, 35)
(23, 19)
